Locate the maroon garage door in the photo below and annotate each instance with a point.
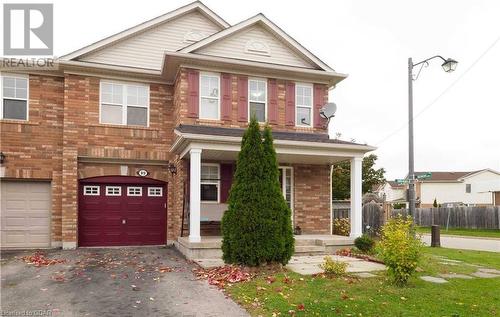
(122, 210)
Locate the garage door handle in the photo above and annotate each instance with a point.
(124, 221)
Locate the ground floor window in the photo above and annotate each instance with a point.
(210, 182)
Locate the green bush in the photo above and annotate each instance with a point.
(364, 243)
(341, 226)
(400, 249)
(332, 267)
(257, 227)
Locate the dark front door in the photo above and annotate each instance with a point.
(122, 211)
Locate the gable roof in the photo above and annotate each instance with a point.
(194, 6)
(270, 26)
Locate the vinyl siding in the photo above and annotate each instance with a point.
(146, 50)
(482, 184)
(234, 46)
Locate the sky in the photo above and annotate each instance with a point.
(457, 114)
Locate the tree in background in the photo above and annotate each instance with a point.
(341, 177)
(435, 204)
(257, 227)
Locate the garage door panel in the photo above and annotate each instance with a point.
(25, 214)
(113, 219)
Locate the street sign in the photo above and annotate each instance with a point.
(402, 181)
(424, 175)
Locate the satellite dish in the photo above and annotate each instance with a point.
(328, 110)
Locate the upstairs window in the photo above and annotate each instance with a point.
(257, 99)
(468, 188)
(303, 103)
(209, 96)
(124, 104)
(14, 97)
(210, 182)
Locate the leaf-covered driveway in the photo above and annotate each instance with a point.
(149, 281)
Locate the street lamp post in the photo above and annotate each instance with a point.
(449, 65)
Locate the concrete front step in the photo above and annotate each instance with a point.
(314, 249)
(210, 247)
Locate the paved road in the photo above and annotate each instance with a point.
(467, 243)
(110, 282)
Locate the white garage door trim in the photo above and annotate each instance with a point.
(25, 214)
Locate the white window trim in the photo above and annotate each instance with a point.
(134, 188)
(265, 103)
(217, 183)
(283, 188)
(20, 76)
(154, 188)
(125, 103)
(114, 187)
(298, 124)
(208, 74)
(90, 187)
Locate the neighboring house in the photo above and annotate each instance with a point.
(134, 132)
(476, 188)
(391, 192)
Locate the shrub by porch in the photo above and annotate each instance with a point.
(257, 227)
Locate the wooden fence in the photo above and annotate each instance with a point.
(456, 217)
(373, 215)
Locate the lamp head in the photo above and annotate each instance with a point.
(449, 65)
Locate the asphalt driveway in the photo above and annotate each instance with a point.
(151, 281)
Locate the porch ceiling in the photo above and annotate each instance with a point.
(226, 148)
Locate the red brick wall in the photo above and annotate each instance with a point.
(312, 198)
(33, 149)
(64, 125)
(83, 136)
(181, 107)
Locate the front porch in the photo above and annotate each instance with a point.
(208, 249)
(305, 161)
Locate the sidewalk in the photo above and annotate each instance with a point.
(466, 243)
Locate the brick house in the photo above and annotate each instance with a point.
(133, 139)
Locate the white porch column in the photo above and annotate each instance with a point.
(356, 197)
(194, 194)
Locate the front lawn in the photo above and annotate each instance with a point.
(287, 293)
(486, 233)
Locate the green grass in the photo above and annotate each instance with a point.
(487, 233)
(376, 296)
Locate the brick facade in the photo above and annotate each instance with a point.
(312, 207)
(63, 142)
(181, 107)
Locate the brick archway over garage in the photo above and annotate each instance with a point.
(122, 211)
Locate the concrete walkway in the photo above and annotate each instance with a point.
(307, 265)
(466, 243)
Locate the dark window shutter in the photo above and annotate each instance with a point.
(272, 92)
(193, 99)
(242, 98)
(226, 97)
(226, 180)
(319, 102)
(290, 104)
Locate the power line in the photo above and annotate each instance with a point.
(390, 135)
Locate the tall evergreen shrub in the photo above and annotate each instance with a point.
(257, 227)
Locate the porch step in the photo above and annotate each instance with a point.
(309, 250)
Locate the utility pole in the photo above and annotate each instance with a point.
(411, 167)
